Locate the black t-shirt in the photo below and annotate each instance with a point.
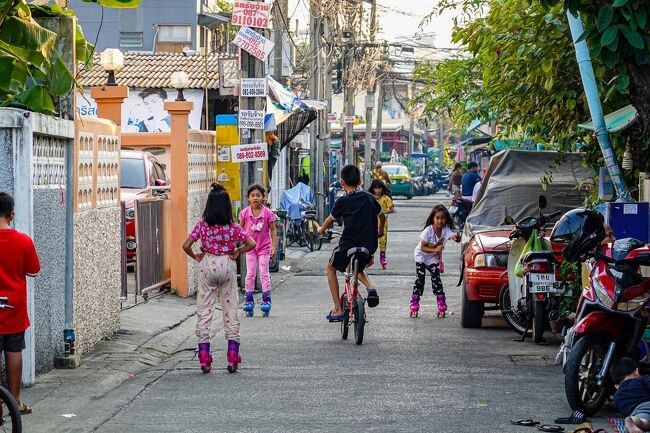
(632, 393)
(359, 211)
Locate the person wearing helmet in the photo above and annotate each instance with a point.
(582, 230)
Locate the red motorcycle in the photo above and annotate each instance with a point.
(612, 313)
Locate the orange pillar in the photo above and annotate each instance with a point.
(179, 112)
(109, 102)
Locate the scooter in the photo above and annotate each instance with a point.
(611, 322)
(459, 210)
(534, 292)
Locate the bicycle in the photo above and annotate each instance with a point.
(351, 300)
(7, 402)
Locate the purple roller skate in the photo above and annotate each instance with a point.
(233, 356)
(442, 304)
(415, 305)
(205, 359)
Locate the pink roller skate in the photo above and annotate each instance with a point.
(382, 260)
(415, 305)
(205, 359)
(233, 356)
(442, 304)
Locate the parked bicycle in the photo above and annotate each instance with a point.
(10, 418)
(304, 231)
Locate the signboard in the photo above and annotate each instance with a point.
(253, 87)
(331, 117)
(348, 119)
(257, 45)
(251, 14)
(250, 152)
(251, 119)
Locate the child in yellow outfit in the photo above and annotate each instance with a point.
(379, 189)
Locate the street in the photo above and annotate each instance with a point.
(424, 374)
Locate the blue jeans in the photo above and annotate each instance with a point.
(642, 411)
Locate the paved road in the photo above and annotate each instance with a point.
(424, 374)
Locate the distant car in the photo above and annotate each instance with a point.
(510, 191)
(401, 181)
(142, 174)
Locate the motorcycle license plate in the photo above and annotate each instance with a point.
(452, 209)
(542, 283)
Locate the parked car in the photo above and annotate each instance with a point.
(142, 176)
(402, 183)
(510, 191)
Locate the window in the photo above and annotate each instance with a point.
(133, 175)
(131, 39)
(175, 34)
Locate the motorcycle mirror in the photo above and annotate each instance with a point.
(542, 201)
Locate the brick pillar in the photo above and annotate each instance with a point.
(179, 112)
(109, 102)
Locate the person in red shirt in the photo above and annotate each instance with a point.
(18, 259)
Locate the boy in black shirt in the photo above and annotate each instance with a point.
(632, 397)
(360, 211)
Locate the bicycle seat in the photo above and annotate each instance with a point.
(358, 250)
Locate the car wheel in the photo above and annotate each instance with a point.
(471, 312)
(409, 197)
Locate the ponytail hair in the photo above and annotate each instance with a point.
(218, 208)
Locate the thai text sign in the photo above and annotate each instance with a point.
(257, 45)
(253, 87)
(348, 119)
(331, 118)
(251, 14)
(250, 152)
(251, 119)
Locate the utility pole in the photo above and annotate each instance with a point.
(349, 102)
(379, 145)
(281, 11)
(412, 122)
(370, 103)
(315, 153)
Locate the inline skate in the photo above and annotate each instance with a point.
(249, 304)
(442, 304)
(265, 306)
(205, 359)
(233, 356)
(415, 305)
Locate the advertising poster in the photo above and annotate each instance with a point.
(257, 45)
(250, 152)
(251, 119)
(251, 14)
(253, 87)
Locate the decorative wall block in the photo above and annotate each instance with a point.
(49, 154)
(85, 168)
(201, 163)
(108, 170)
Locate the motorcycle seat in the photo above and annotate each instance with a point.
(538, 255)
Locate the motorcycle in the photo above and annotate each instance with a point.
(534, 292)
(459, 210)
(611, 319)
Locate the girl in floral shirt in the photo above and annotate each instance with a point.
(219, 236)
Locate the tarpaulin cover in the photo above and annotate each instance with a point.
(292, 200)
(512, 186)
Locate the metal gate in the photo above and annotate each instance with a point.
(150, 242)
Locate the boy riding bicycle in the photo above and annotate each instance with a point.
(360, 212)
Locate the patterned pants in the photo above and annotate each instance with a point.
(218, 280)
(436, 281)
(252, 260)
(383, 241)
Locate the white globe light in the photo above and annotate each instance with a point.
(180, 80)
(112, 60)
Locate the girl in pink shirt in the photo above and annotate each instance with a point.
(219, 236)
(259, 223)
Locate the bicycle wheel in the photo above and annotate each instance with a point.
(10, 420)
(359, 319)
(345, 323)
(309, 234)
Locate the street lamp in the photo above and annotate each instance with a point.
(180, 81)
(112, 60)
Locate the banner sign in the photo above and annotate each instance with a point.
(251, 14)
(348, 119)
(256, 44)
(250, 152)
(253, 87)
(251, 119)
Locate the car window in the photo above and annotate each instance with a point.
(396, 170)
(133, 175)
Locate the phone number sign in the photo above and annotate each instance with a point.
(251, 14)
(250, 152)
(251, 119)
(257, 45)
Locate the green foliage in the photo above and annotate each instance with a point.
(117, 4)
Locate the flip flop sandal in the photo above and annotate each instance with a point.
(524, 422)
(573, 419)
(334, 317)
(550, 428)
(24, 409)
(585, 427)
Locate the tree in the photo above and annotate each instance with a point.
(32, 72)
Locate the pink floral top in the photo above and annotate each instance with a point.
(218, 240)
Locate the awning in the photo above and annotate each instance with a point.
(213, 20)
(616, 121)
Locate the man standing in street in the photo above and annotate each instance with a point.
(381, 174)
(469, 180)
(455, 180)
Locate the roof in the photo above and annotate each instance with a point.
(154, 70)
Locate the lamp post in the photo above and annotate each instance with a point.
(180, 81)
(112, 61)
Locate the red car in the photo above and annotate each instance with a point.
(510, 192)
(142, 176)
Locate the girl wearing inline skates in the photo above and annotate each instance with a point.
(428, 256)
(259, 223)
(379, 189)
(219, 236)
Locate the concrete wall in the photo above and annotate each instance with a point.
(97, 275)
(6, 160)
(142, 19)
(49, 291)
(195, 207)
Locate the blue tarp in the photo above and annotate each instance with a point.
(292, 200)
